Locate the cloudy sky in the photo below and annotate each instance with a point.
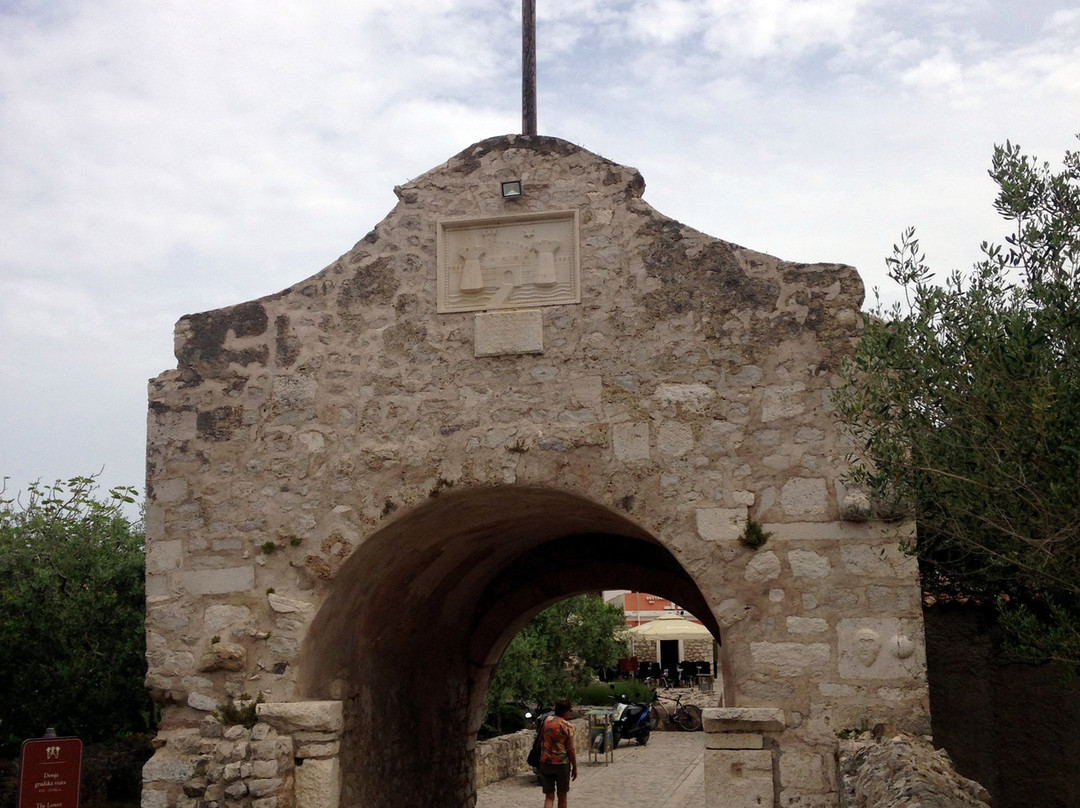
(162, 158)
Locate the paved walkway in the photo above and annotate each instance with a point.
(667, 773)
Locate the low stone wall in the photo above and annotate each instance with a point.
(903, 772)
(235, 766)
(502, 757)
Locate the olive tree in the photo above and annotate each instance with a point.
(72, 646)
(558, 651)
(963, 403)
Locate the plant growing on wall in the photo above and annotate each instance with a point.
(964, 403)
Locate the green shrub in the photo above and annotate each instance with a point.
(600, 694)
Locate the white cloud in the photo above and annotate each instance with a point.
(163, 158)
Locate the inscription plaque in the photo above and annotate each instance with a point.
(508, 262)
(49, 773)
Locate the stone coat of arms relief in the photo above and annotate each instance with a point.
(509, 262)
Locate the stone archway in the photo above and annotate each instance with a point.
(479, 388)
(419, 615)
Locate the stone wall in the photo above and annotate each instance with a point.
(502, 757)
(361, 487)
(903, 772)
(233, 766)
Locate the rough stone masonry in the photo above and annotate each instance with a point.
(361, 487)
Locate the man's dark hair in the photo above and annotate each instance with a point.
(562, 707)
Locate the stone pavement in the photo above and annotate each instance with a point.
(667, 773)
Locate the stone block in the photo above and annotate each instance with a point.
(804, 496)
(879, 561)
(630, 442)
(162, 556)
(782, 401)
(152, 798)
(806, 625)
(738, 778)
(801, 770)
(219, 617)
(790, 658)
(720, 524)
(807, 564)
(504, 333)
(265, 787)
(201, 701)
(743, 719)
(764, 566)
(237, 790)
(734, 740)
(165, 768)
(317, 750)
(294, 716)
(170, 490)
(284, 605)
(674, 439)
(318, 784)
(217, 582)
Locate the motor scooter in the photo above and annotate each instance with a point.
(630, 720)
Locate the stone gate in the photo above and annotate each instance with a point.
(360, 488)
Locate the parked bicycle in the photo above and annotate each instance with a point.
(686, 717)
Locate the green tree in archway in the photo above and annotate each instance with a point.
(557, 652)
(72, 647)
(965, 408)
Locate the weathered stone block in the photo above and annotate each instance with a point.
(217, 582)
(802, 770)
(804, 496)
(284, 605)
(630, 442)
(738, 778)
(764, 566)
(807, 564)
(318, 784)
(502, 333)
(790, 658)
(294, 716)
(162, 556)
(674, 439)
(734, 740)
(879, 561)
(806, 625)
(743, 719)
(720, 524)
(163, 767)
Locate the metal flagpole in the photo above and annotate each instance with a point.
(528, 67)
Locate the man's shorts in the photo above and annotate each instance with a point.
(555, 775)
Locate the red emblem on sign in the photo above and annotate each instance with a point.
(49, 774)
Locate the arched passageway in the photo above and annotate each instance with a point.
(423, 610)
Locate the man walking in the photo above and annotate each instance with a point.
(558, 759)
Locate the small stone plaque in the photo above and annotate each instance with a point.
(502, 333)
(508, 262)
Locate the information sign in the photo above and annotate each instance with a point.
(49, 774)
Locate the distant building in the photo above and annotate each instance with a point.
(641, 607)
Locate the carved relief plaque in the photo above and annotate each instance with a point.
(509, 262)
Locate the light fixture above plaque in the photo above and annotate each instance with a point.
(511, 189)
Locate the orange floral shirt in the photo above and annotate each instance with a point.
(556, 736)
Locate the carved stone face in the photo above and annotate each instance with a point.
(867, 646)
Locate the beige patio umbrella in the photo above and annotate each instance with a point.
(671, 627)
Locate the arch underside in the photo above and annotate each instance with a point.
(424, 609)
